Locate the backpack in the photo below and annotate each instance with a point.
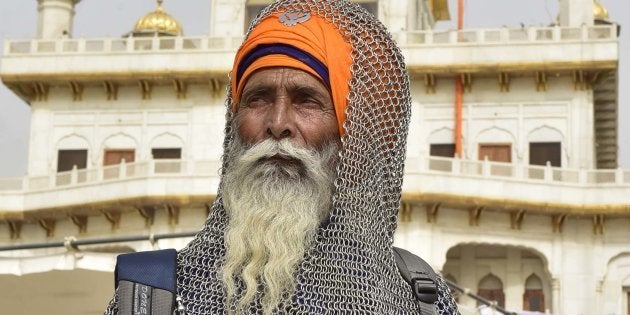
(146, 282)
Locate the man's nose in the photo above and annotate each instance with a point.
(280, 119)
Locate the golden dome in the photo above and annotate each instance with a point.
(158, 21)
(599, 12)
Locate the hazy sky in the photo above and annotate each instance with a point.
(112, 18)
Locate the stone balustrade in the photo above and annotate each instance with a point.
(423, 175)
(203, 43)
(510, 36)
(70, 46)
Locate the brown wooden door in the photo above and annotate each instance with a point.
(534, 300)
(496, 152)
(113, 157)
(492, 295)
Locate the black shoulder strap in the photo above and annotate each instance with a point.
(146, 282)
(419, 274)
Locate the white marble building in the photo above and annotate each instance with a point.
(534, 213)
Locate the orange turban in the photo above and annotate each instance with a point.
(300, 40)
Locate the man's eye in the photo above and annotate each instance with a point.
(308, 101)
(255, 101)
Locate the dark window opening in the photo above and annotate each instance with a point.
(541, 152)
(166, 153)
(442, 149)
(67, 159)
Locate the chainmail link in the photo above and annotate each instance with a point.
(349, 267)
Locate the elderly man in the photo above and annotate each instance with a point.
(318, 112)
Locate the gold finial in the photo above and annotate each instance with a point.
(599, 12)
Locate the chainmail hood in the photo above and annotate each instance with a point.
(349, 267)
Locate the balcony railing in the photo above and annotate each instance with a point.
(127, 45)
(204, 43)
(510, 36)
(555, 176)
(111, 173)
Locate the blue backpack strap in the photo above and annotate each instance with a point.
(423, 280)
(146, 282)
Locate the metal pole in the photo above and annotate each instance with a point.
(478, 298)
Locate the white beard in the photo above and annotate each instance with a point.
(274, 207)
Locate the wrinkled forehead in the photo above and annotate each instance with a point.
(300, 39)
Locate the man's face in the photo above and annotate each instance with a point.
(286, 103)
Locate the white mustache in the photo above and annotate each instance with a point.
(272, 148)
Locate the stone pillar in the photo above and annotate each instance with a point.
(54, 19)
(514, 285)
(555, 296)
(468, 273)
(576, 13)
(227, 18)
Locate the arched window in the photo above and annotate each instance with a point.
(534, 299)
(491, 288)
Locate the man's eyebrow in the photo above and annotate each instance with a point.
(307, 90)
(257, 90)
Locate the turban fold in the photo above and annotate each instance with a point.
(312, 45)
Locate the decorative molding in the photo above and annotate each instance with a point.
(525, 67)
(580, 80)
(598, 224)
(48, 225)
(540, 79)
(173, 214)
(148, 213)
(516, 219)
(145, 88)
(405, 212)
(508, 205)
(432, 210)
(215, 86)
(117, 76)
(557, 222)
(77, 90)
(504, 82)
(466, 79)
(111, 89)
(180, 88)
(122, 205)
(81, 221)
(429, 83)
(474, 214)
(113, 217)
(15, 229)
